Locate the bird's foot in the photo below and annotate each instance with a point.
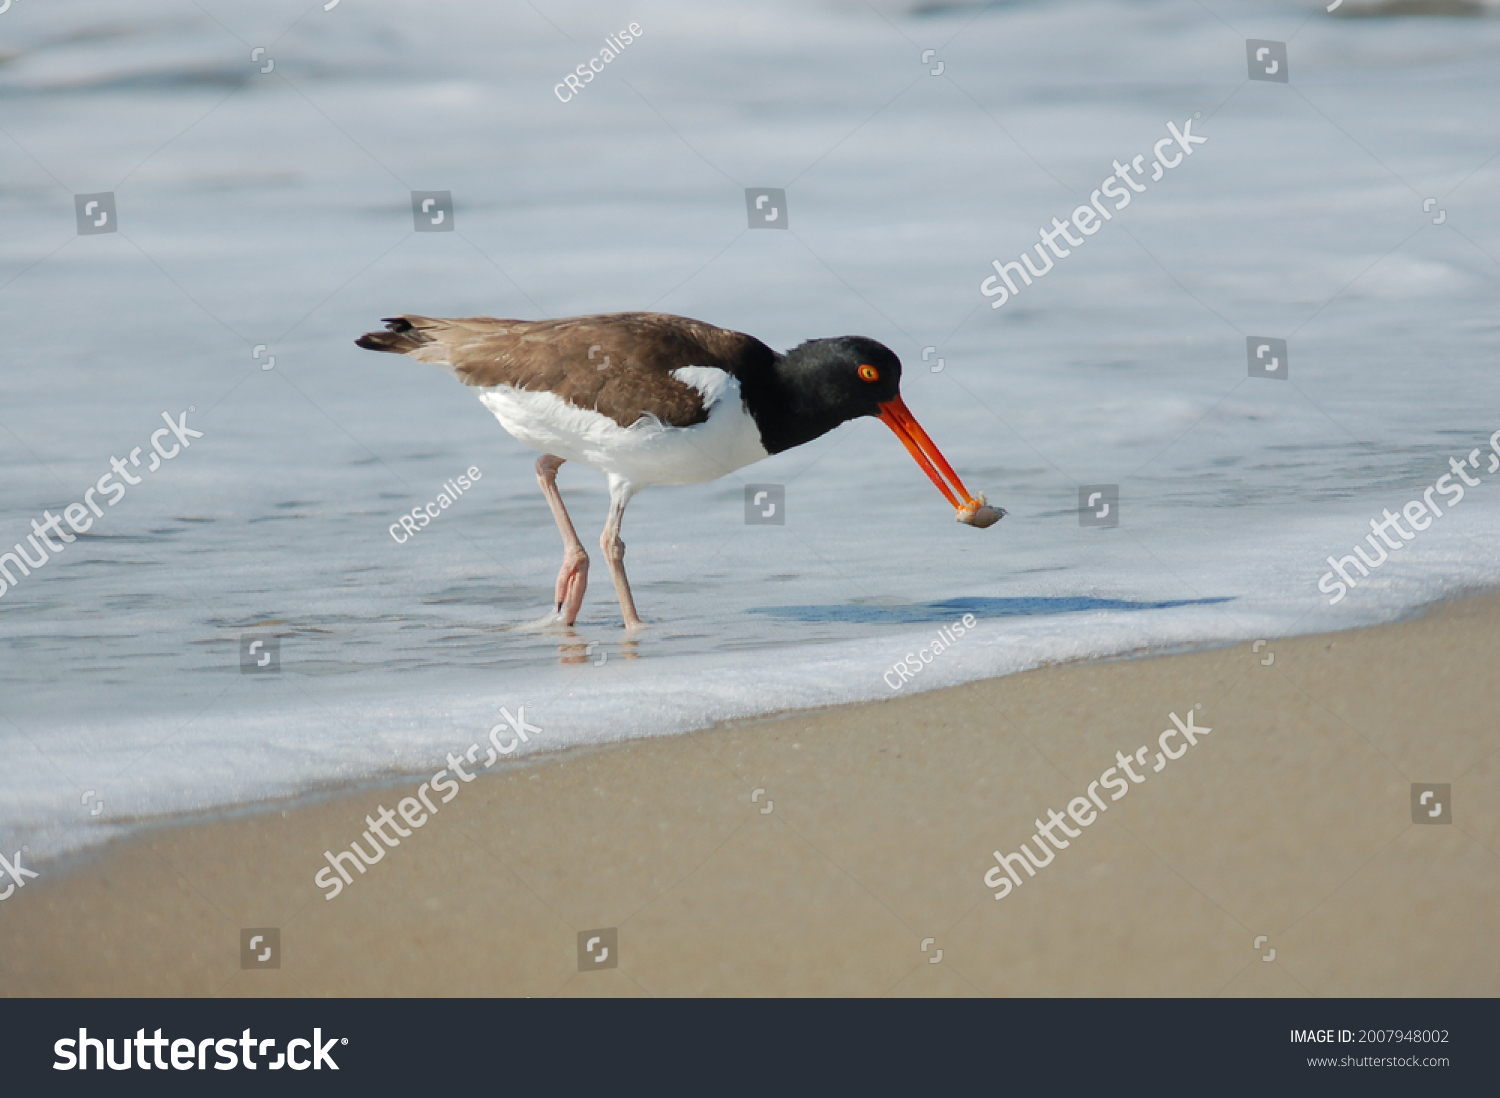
(572, 581)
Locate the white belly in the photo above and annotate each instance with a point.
(647, 452)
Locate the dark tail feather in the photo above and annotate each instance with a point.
(400, 337)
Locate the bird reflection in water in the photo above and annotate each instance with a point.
(592, 652)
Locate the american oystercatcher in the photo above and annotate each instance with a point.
(648, 398)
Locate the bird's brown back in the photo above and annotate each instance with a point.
(617, 364)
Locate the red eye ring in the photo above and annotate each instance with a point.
(869, 373)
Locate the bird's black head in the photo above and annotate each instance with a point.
(826, 382)
(831, 381)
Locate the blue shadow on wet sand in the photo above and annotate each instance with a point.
(981, 608)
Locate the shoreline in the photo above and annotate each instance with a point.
(138, 827)
(799, 835)
(311, 798)
(419, 722)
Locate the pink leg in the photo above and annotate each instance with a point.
(573, 579)
(614, 550)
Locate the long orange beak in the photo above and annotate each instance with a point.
(895, 415)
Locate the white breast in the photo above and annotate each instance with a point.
(648, 451)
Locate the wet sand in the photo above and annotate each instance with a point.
(1292, 819)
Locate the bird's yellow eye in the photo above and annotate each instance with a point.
(869, 373)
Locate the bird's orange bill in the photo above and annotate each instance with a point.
(895, 415)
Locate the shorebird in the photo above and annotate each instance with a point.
(648, 398)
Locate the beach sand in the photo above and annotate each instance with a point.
(1292, 819)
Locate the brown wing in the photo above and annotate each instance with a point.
(618, 364)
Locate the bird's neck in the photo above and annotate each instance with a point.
(784, 397)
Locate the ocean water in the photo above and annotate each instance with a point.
(268, 215)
